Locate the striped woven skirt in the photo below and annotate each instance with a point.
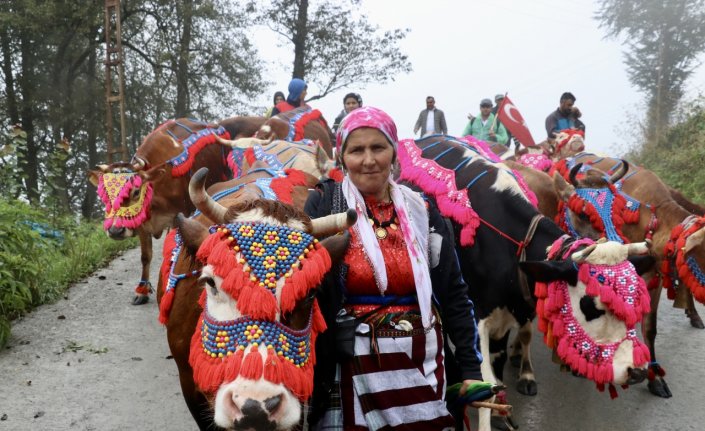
(395, 381)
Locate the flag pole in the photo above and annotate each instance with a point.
(494, 120)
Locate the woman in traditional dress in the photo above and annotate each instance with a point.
(401, 258)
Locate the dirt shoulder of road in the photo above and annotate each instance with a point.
(93, 361)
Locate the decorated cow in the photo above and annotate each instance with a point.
(497, 227)
(144, 196)
(238, 297)
(651, 213)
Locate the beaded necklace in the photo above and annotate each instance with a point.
(381, 227)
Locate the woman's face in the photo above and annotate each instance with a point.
(350, 104)
(368, 159)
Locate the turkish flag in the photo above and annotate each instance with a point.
(510, 117)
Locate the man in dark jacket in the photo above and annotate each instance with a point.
(565, 117)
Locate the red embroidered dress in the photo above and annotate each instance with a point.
(400, 276)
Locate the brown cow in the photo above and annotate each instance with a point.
(297, 124)
(259, 378)
(145, 195)
(659, 216)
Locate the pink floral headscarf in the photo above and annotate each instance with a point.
(366, 116)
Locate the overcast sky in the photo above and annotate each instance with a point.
(464, 51)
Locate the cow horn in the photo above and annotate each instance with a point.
(638, 248)
(573, 172)
(197, 190)
(620, 172)
(582, 255)
(138, 163)
(334, 223)
(242, 143)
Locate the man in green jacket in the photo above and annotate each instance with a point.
(484, 127)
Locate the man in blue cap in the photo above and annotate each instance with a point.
(295, 99)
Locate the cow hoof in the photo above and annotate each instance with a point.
(140, 299)
(695, 320)
(515, 360)
(503, 423)
(659, 388)
(527, 387)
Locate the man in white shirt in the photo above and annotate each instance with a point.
(431, 121)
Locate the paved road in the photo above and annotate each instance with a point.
(93, 361)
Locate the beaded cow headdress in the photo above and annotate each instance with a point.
(252, 259)
(114, 190)
(621, 291)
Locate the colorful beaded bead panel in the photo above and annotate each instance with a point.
(221, 339)
(601, 201)
(269, 251)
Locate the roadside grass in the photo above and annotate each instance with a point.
(40, 258)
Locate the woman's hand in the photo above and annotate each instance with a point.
(477, 390)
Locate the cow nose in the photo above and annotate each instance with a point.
(636, 375)
(116, 232)
(272, 404)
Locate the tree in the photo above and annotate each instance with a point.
(335, 45)
(664, 41)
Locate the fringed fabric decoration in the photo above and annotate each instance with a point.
(173, 244)
(604, 208)
(115, 190)
(677, 264)
(619, 287)
(439, 182)
(251, 258)
(181, 164)
(563, 332)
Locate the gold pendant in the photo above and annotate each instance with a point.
(372, 223)
(393, 226)
(381, 232)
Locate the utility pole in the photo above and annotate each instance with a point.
(114, 68)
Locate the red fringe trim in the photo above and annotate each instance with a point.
(310, 273)
(193, 150)
(283, 187)
(306, 118)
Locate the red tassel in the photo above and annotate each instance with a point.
(257, 302)
(272, 367)
(650, 374)
(233, 364)
(165, 307)
(252, 365)
(613, 392)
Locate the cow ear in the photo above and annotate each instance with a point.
(95, 173)
(94, 177)
(546, 271)
(642, 264)
(192, 232)
(336, 246)
(563, 189)
(694, 240)
(153, 174)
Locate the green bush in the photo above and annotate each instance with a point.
(34, 269)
